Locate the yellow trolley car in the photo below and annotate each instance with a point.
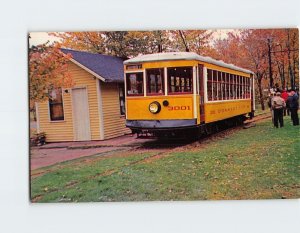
(171, 92)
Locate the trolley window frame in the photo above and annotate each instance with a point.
(128, 80)
(226, 86)
(191, 80)
(161, 72)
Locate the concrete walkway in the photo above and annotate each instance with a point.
(122, 141)
(53, 153)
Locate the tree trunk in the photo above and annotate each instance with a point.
(294, 68)
(290, 71)
(295, 50)
(159, 48)
(291, 76)
(184, 41)
(281, 74)
(270, 63)
(283, 77)
(261, 97)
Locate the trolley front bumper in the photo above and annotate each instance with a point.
(161, 124)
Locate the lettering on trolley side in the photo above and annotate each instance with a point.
(229, 109)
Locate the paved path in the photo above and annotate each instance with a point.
(46, 157)
(53, 153)
(126, 140)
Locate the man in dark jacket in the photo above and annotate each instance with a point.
(294, 105)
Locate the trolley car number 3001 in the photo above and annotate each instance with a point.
(178, 108)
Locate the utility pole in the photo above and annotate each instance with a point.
(270, 63)
(290, 72)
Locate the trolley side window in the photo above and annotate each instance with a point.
(155, 81)
(180, 80)
(134, 84)
(209, 84)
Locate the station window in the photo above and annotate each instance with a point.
(134, 83)
(155, 81)
(180, 80)
(56, 108)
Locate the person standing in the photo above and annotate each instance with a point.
(271, 96)
(285, 95)
(293, 106)
(278, 104)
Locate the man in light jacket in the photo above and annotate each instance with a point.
(278, 104)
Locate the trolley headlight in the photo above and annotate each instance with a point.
(154, 107)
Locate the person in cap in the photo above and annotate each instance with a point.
(278, 104)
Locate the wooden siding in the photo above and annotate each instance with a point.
(63, 130)
(114, 123)
(56, 130)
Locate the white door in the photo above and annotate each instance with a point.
(81, 116)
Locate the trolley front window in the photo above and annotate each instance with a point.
(180, 80)
(134, 84)
(155, 81)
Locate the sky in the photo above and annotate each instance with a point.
(42, 37)
(37, 38)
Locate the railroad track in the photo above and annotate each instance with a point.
(181, 142)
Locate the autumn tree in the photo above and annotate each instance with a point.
(279, 57)
(48, 69)
(246, 49)
(231, 49)
(193, 41)
(160, 41)
(272, 54)
(132, 43)
(292, 49)
(265, 52)
(123, 44)
(256, 51)
(86, 41)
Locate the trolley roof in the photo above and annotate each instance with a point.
(183, 56)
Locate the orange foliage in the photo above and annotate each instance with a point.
(48, 68)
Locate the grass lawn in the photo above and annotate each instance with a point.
(256, 163)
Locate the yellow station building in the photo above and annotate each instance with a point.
(93, 109)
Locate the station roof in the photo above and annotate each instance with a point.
(105, 67)
(182, 56)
